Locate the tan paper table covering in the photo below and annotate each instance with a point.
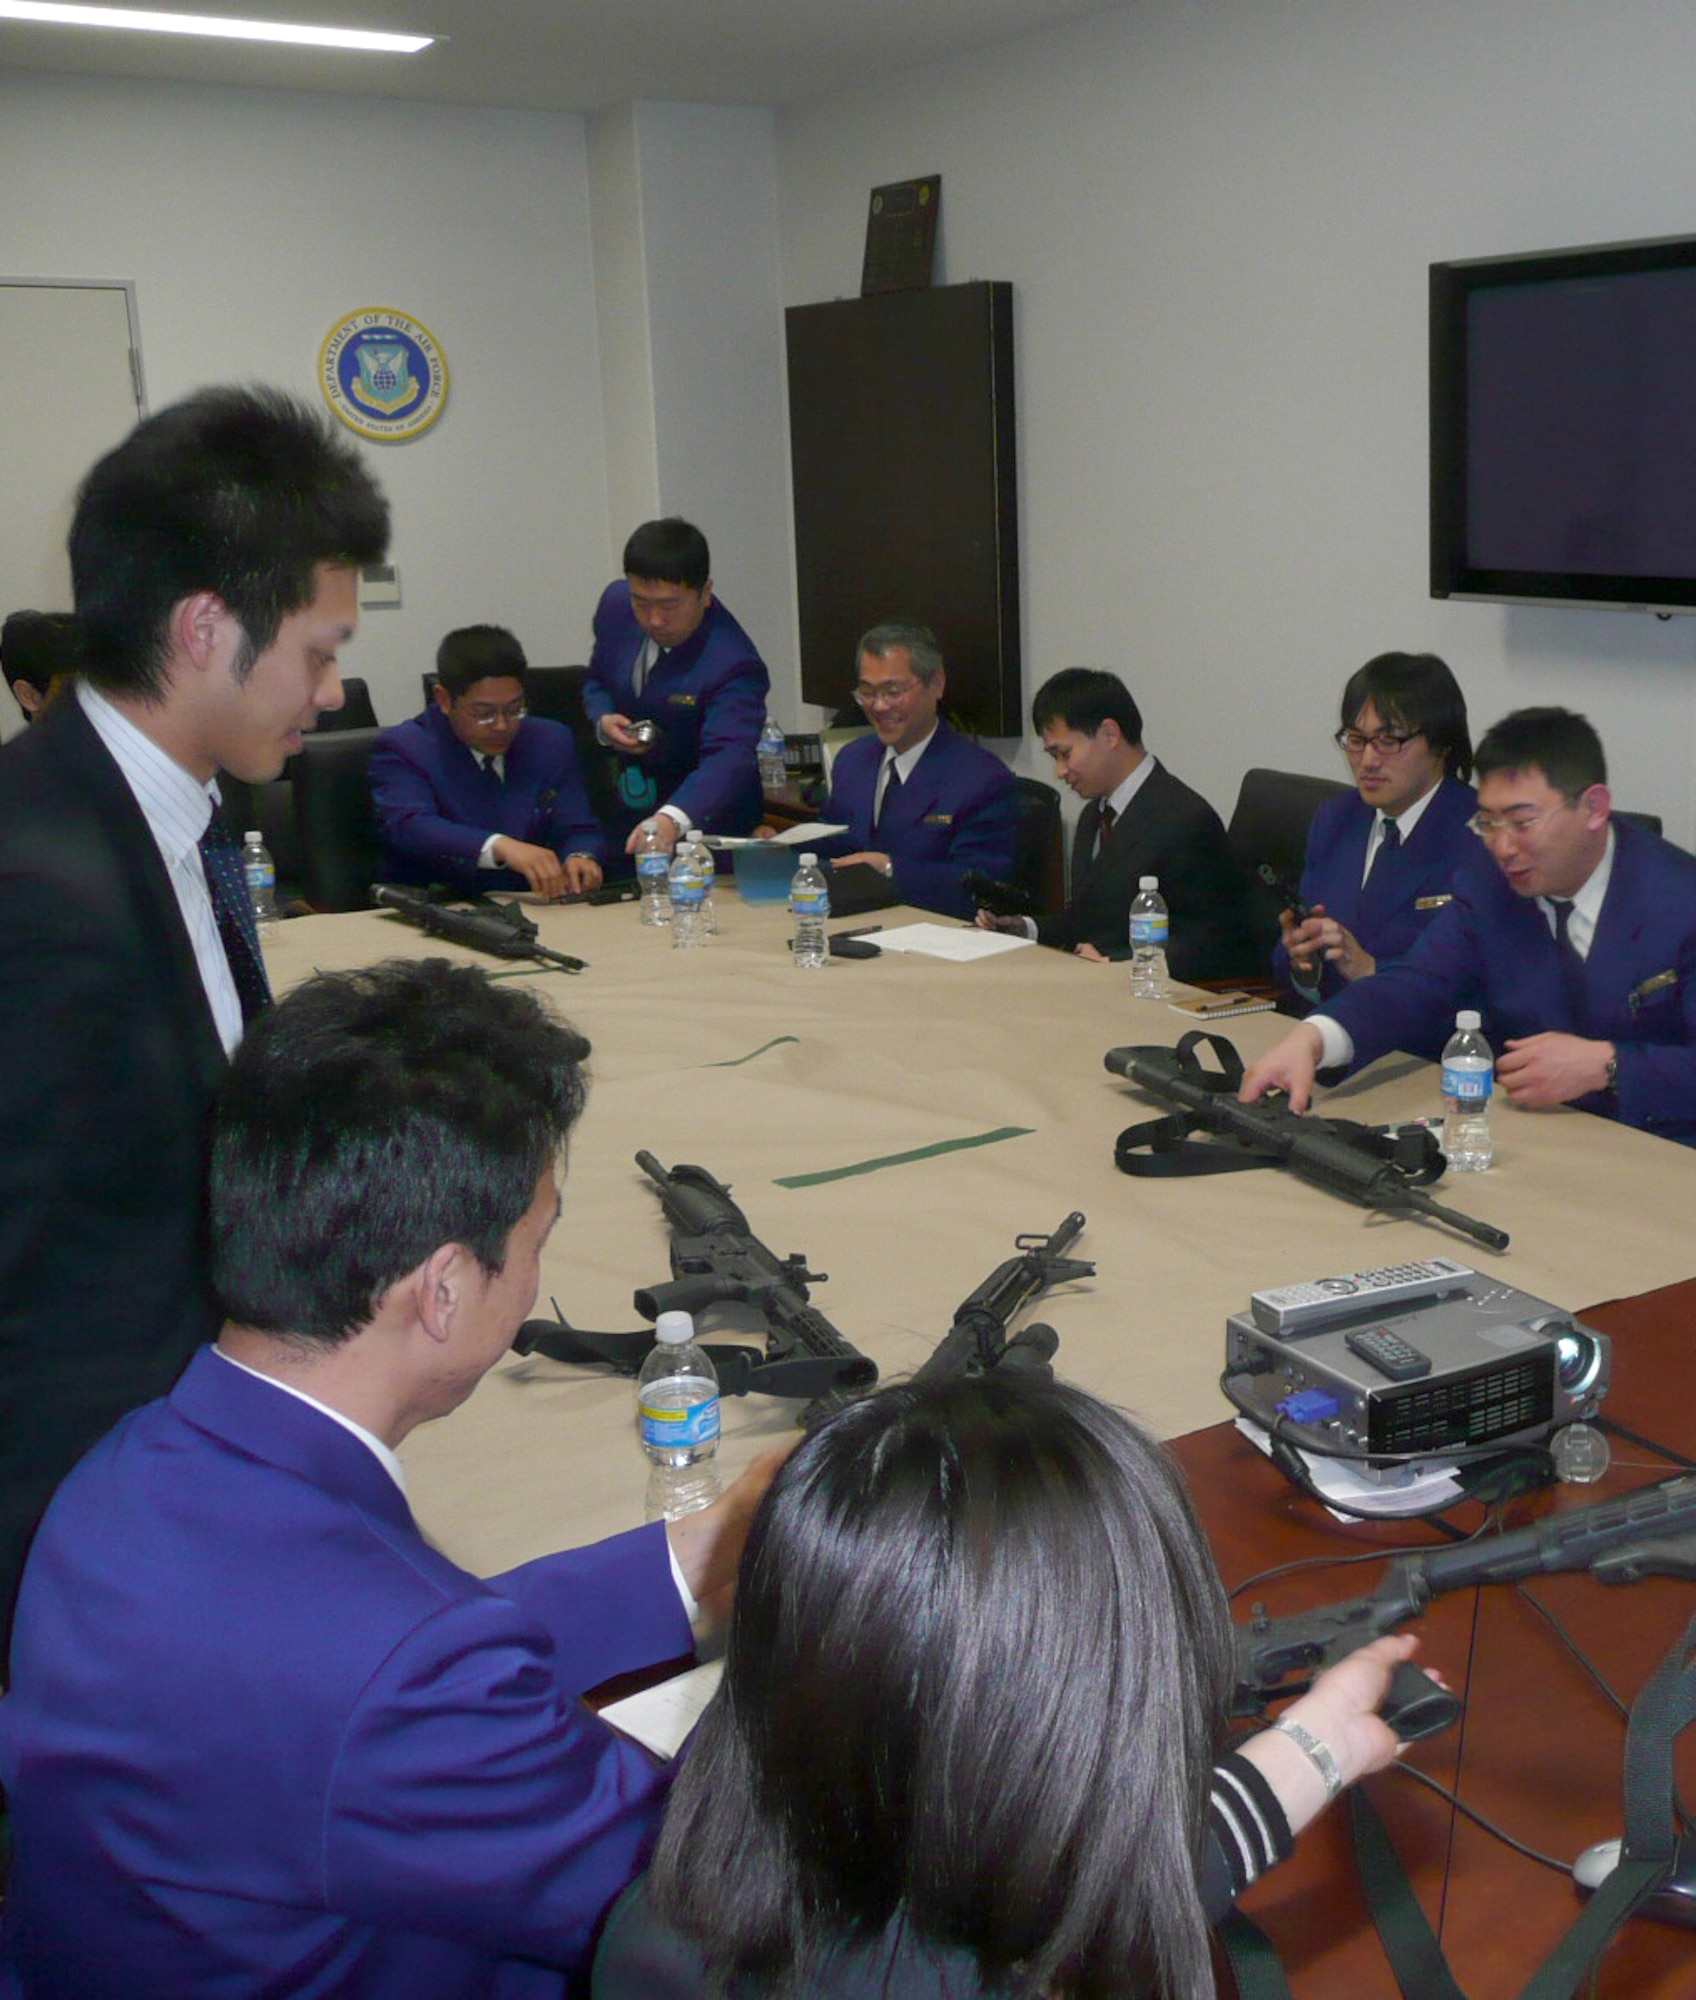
(731, 1058)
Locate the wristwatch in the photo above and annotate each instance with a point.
(1612, 1084)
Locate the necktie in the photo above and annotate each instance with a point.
(1104, 826)
(492, 763)
(226, 882)
(891, 792)
(1572, 966)
(1388, 841)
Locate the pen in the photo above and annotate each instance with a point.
(865, 930)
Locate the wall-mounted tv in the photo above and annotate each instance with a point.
(1563, 427)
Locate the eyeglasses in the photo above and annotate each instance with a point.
(1387, 742)
(1518, 820)
(487, 713)
(890, 695)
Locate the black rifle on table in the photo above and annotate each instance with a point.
(484, 925)
(1345, 1158)
(977, 1342)
(1648, 1533)
(1001, 899)
(716, 1259)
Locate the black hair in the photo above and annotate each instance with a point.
(1555, 741)
(1418, 693)
(37, 647)
(369, 1118)
(669, 551)
(476, 653)
(1083, 698)
(977, 1673)
(240, 492)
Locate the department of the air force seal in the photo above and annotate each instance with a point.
(383, 374)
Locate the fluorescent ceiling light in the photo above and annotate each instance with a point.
(206, 24)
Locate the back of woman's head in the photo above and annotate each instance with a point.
(976, 1677)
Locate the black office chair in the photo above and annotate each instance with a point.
(1039, 854)
(334, 823)
(1268, 828)
(355, 712)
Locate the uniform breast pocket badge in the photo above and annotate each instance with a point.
(937, 819)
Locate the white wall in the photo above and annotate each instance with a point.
(1218, 215)
(251, 222)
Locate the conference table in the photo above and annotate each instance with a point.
(900, 1121)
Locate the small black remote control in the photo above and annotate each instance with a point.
(1388, 1353)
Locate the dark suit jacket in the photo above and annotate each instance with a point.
(112, 1060)
(263, 1738)
(708, 697)
(1383, 912)
(436, 805)
(1171, 832)
(958, 811)
(1498, 946)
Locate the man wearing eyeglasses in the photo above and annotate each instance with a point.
(475, 793)
(1381, 860)
(1575, 930)
(924, 805)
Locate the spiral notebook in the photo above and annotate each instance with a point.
(1221, 1006)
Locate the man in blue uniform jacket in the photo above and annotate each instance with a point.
(1381, 860)
(668, 655)
(477, 794)
(261, 1736)
(1576, 929)
(923, 804)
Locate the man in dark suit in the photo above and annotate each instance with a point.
(924, 805)
(213, 558)
(1381, 859)
(676, 687)
(1138, 820)
(1577, 929)
(477, 793)
(262, 1737)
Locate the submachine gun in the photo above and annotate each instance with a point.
(481, 923)
(1375, 1168)
(1648, 1533)
(716, 1259)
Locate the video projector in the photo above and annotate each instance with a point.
(1421, 1360)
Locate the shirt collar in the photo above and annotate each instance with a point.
(1123, 793)
(906, 759)
(1409, 816)
(175, 804)
(374, 1444)
(1587, 901)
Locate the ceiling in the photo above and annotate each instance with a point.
(560, 55)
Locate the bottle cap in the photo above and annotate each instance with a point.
(1469, 1022)
(674, 1328)
(809, 861)
(1148, 882)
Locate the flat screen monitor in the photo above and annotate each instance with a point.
(1563, 427)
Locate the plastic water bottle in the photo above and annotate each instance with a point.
(809, 905)
(706, 918)
(1149, 929)
(774, 772)
(1468, 1077)
(688, 889)
(261, 872)
(677, 1419)
(653, 865)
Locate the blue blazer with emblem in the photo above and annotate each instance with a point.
(436, 805)
(708, 699)
(958, 811)
(261, 1737)
(1383, 911)
(1499, 946)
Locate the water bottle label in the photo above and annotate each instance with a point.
(261, 875)
(1469, 1086)
(1150, 930)
(690, 893)
(679, 1430)
(810, 903)
(652, 868)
